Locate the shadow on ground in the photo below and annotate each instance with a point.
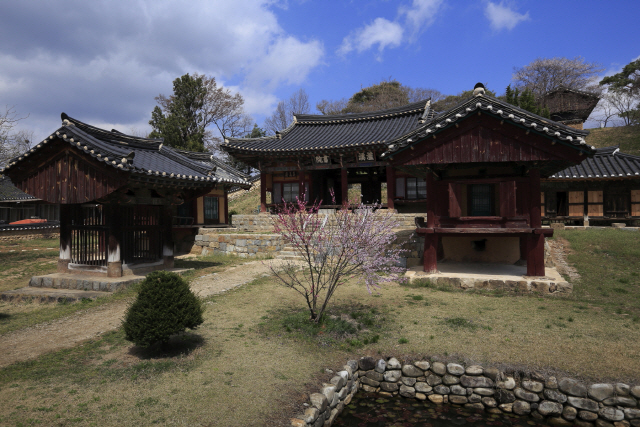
(178, 345)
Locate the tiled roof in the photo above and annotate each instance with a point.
(140, 156)
(607, 163)
(315, 133)
(10, 193)
(222, 170)
(498, 109)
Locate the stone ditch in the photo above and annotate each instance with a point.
(560, 402)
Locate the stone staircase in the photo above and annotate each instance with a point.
(289, 253)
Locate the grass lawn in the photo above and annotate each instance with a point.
(254, 359)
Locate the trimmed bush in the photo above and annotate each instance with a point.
(165, 306)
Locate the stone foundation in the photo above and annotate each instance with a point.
(243, 245)
(559, 402)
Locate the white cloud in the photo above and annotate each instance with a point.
(503, 17)
(421, 14)
(381, 32)
(106, 60)
(384, 33)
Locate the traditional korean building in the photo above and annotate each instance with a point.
(601, 189)
(118, 194)
(317, 154)
(16, 205)
(475, 170)
(570, 107)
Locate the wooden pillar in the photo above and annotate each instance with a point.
(431, 201)
(431, 241)
(167, 237)
(226, 204)
(65, 237)
(263, 192)
(114, 242)
(535, 256)
(535, 246)
(391, 187)
(301, 193)
(534, 204)
(344, 186)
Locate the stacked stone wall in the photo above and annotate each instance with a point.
(264, 222)
(27, 234)
(243, 245)
(559, 402)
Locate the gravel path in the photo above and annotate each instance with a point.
(63, 333)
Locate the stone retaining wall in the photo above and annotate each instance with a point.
(243, 245)
(560, 402)
(263, 222)
(44, 233)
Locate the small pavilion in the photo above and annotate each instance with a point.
(482, 161)
(118, 195)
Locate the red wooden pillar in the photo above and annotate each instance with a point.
(391, 186)
(263, 191)
(535, 246)
(431, 239)
(431, 201)
(301, 193)
(65, 238)
(226, 204)
(344, 186)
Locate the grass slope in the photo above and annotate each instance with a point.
(628, 137)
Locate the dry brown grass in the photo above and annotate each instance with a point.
(248, 371)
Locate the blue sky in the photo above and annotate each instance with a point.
(104, 61)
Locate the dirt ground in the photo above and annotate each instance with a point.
(27, 344)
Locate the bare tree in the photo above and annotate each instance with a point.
(625, 106)
(544, 75)
(298, 103)
(12, 143)
(420, 94)
(605, 113)
(332, 107)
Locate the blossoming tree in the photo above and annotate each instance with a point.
(335, 248)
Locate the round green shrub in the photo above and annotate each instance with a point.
(165, 306)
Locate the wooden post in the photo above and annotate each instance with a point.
(344, 186)
(431, 253)
(226, 204)
(534, 193)
(535, 249)
(65, 238)
(263, 191)
(431, 201)
(535, 257)
(431, 240)
(301, 193)
(114, 257)
(167, 237)
(391, 187)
